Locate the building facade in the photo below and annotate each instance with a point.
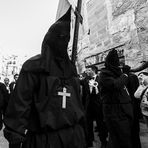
(120, 24)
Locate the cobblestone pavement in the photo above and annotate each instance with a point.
(143, 136)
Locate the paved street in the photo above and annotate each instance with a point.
(143, 136)
(3, 142)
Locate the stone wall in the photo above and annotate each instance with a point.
(131, 16)
(117, 22)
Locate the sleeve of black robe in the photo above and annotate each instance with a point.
(18, 110)
(111, 83)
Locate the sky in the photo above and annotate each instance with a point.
(23, 24)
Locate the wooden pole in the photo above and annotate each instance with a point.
(76, 31)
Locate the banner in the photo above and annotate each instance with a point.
(62, 8)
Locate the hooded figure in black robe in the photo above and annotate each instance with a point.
(45, 109)
(117, 107)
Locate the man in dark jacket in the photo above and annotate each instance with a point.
(84, 86)
(117, 107)
(4, 97)
(12, 84)
(132, 86)
(94, 110)
(45, 110)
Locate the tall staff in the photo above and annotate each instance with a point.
(76, 30)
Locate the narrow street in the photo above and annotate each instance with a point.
(143, 137)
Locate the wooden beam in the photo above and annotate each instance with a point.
(76, 31)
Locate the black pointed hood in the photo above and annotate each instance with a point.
(54, 57)
(59, 31)
(112, 62)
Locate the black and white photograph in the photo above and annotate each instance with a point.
(73, 73)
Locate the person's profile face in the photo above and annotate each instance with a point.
(140, 77)
(16, 77)
(92, 72)
(88, 71)
(145, 79)
(6, 81)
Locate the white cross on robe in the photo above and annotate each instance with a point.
(64, 94)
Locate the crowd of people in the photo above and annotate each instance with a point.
(6, 89)
(118, 107)
(49, 106)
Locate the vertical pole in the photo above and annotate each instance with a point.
(76, 32)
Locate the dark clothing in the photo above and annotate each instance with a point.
(85, 90)
(36, 106)
(57, 139)
(117, 108)
(132, 86)
(46, 100)
(4, 97)
(12, 86)
(94, 113)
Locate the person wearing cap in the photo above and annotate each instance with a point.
(117, 107)
(45, 109)
(142, 94)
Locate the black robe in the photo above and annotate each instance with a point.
(132, 86)
(36, 106)
(35, 115)
(117, 108)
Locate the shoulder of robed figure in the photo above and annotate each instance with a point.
(2, 85)
(32, 64)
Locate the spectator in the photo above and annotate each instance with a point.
(142, 94)
(12, 84)
(6, 82)
(132, 86)
(94, 110)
